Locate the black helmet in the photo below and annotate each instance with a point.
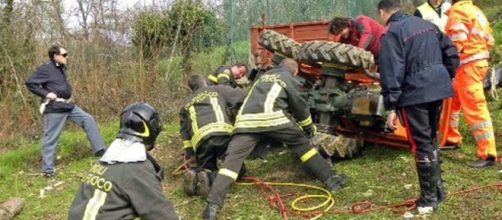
(140, 121)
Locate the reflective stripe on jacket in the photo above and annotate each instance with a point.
(273, 95)
(208, 113)
(428, 13)
(470, 31)
(222, 76)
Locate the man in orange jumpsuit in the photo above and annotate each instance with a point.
(470, 31)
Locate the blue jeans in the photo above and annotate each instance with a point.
(53, 126)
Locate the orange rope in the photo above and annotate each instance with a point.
(276, 201)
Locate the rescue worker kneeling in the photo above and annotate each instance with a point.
(206, 126)
(263, 115)
(125, 184)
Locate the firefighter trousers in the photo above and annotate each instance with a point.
(470, 99)
(242, 144)
(210, 151)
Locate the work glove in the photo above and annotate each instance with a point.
(310, 130)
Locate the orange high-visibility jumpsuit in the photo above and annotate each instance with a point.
(470, 31)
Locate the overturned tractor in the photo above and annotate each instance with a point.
(343, 95)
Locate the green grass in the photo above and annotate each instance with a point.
(382, 170)
(206, 61)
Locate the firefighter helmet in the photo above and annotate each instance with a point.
(140, 121)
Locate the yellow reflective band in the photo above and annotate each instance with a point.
(226, 172)
(145, 133)
(280, 54)
(480, 125)
(92, 208)
(208, 129)
(261, 116)
(308, 155)
(187, 144)
(271, 97)
(261, 120)
(212, 78)
(484, 136)
(217, 109)
(306, 122)
(246, 99)
(223, 75)
(193, 117)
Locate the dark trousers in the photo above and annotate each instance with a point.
(421, 122)
(242, 144)
(210, 151)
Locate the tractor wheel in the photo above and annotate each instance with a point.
(338, 147)
(313, 52)
(278, 43)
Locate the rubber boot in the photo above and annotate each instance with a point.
(428, 181)
(335, 182)
(441, 194)
(190, 182)
(211, 211)
(203, 183)
(323, 171)
(242, 172)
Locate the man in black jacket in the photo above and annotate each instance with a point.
(50, 82)
(126, 183)
(417, 63)
(206, 127)
(263, 115)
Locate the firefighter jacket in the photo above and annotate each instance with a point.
(51, 77)
(365, 33)
(417, 62)
(470, 31)
(223, 76)
(436, 15)
(122, 191)
(273, 95)
(208, 113)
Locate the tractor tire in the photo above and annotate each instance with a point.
(338, 147)
(313, 52)
(278, 43)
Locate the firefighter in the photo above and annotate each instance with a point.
(263, 115)
(434, 11)
(362, 32)
(470, 31)
(126, 183)
(227, 75)
(417, 63)
(206, 125)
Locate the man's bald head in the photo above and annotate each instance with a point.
(291, 65)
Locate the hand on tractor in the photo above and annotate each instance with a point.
(392, 120)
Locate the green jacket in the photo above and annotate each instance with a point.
(273, 95)
(122, 191)
(209, 112)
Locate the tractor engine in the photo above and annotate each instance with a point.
(335, 100)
